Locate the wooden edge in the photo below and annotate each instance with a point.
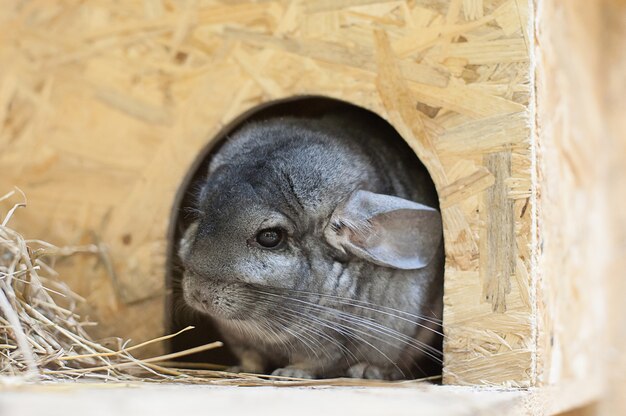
(415, 398)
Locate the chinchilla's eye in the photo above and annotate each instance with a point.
(270, 237)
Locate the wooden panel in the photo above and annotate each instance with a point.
(104, 105)
(578, 163)
(497, 266)
(613, 39)
(164, 400)
(68, 399)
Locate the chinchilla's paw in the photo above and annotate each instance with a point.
(372, 372)
(292, 372)
(241, 369)
(237, 369)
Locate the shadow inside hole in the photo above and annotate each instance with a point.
(178, 315)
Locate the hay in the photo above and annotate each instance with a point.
(41, 336)
(43, 339)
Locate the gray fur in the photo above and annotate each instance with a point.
(318, 307)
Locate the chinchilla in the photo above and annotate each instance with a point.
(318, 250)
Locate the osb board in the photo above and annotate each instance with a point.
(613, 67)
(165, 400)
(104, 105)
(68, 399)
(577, 162)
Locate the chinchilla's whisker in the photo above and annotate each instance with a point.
(424, 348)
(269, 326)
(183, 312)
(295, 316)
(314, 321)
(318, 322)
(311, 331)
(194, 192)
(424, 373)
(307, 340)
(239, 327)
(304, 334)
(374, 307)
(284, 318)
(351, 332)
(192, 212)
(286, 342)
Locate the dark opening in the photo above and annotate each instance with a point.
(178, 317)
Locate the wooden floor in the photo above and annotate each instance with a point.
(185, 400)
(68, 399)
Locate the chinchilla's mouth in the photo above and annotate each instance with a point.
(219, 300)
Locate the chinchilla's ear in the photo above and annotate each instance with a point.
(386, 230)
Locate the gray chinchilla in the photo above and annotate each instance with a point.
(318, 250)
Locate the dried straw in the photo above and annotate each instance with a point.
(42, 338)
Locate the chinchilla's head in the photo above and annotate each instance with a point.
(284, 209)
